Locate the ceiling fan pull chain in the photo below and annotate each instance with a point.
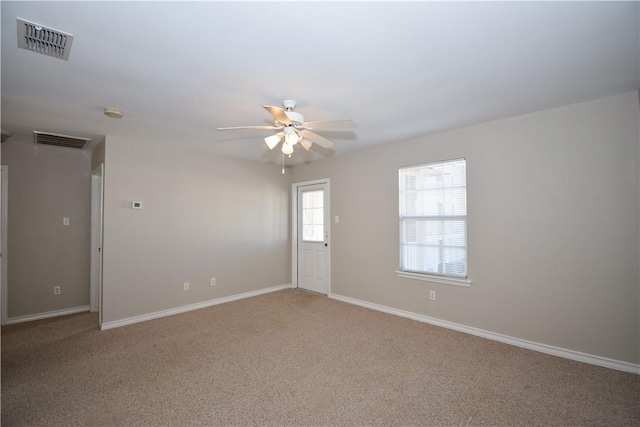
(282, 163)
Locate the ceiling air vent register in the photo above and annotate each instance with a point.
(59, 140)
(40, 39)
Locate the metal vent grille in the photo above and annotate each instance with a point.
(36, 38)
(59, 140)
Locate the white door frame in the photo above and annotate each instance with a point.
(4, 290)
(294, 230)
(97, 206)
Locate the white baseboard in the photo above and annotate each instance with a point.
(47, 315)
(543, 348)
(190, 307)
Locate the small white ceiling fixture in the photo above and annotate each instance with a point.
(294, 129)
(113, 113)
(40, 39)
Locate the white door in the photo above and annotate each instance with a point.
(95, 292)
(313, 237)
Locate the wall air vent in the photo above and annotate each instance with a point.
(36, 38)
(59, 140)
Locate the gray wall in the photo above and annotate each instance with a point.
(202, 216)
(46, 184)
(553, 226)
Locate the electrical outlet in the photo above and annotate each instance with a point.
(65, 221)
(57, 290)
(432, 295)
(213, 281)
(186, 286)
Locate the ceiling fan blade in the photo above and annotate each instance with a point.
(331, 124)
(306, 143)
(251, 127)
(320, 140)
(278, 113)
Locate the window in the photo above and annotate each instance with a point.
(313, 216)
(433, 219)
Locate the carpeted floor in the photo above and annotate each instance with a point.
(294, 358)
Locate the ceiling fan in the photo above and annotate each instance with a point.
(293, 129)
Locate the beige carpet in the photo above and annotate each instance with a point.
(293, 358)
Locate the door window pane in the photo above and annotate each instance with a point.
(313, 216)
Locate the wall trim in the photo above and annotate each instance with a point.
(542, 348)
(46, 315)
(190, 307)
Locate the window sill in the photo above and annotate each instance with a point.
(436, 279)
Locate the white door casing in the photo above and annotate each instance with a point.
(311, 266)
(4, 291)
(97, 190)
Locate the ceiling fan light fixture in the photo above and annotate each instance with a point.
(272, 141)
(287, 148)
(291, 137)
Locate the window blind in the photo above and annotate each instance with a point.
(433, 218)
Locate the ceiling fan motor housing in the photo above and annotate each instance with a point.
(296, 118)
(289, 104)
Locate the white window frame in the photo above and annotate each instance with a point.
(431, 276)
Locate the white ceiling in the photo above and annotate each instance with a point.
(179, 70)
